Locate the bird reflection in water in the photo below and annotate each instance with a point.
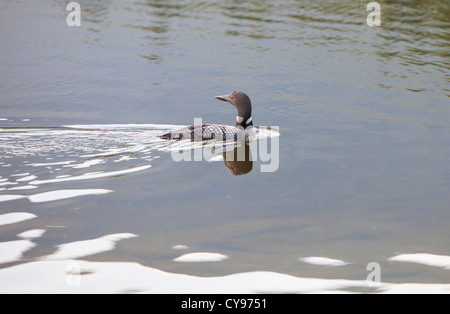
(236, 155)
(239, 160)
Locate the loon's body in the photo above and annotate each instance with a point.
(242, 130)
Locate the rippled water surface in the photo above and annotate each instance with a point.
(91, 200)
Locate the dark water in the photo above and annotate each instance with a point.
(363, 112)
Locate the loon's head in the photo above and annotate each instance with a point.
(244, 107)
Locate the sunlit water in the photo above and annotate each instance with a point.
(91, 200)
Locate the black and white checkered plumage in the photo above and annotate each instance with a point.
(242, 130)
(207, 132)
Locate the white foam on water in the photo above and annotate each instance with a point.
(201, 257)
(8, 183)
(13, 218)
(7, 198)
(24, 187)
(180, 247)
(64, 194)
(125, 158)
(81, 140)
(61, 272)
(112, 277)
(32, 234)
(416, 288)
(88, 247)
(55, 195)
(13, 250)
(87, 164)
(65, 276)
(123, 126)
(217, 158)
(442, 261)
(323, 261)
(92, 176)
(47, 164)
(27, 178)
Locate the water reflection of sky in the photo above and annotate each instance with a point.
(65, 271)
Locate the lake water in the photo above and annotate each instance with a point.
(359, 145)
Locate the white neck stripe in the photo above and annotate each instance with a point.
(240, 120)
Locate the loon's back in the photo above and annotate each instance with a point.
(208, 132)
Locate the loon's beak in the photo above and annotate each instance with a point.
(224, 98)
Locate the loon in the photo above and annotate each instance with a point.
(242, 130)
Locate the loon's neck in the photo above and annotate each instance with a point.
(243, 122)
